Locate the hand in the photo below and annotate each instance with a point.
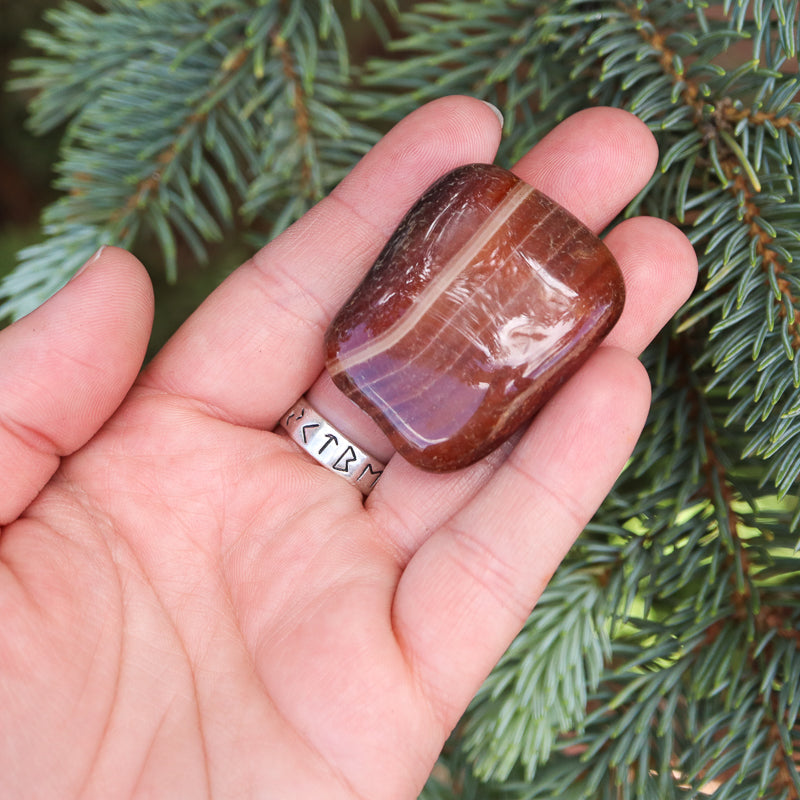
(190, 606)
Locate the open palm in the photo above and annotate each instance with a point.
(190, 606)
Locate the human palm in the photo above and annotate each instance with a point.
(192, 607)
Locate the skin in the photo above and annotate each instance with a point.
(192, 607)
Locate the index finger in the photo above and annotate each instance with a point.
(255, 345)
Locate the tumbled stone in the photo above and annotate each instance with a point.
(486, 298)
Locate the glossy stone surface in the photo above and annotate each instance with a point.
(487, 297)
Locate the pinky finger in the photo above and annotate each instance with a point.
(470, 587)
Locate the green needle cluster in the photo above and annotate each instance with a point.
(664, 659)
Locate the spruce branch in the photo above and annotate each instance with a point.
(540, 686)
(719, 119)
(664, 660)
(213, 114)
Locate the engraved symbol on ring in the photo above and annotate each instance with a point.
(316, 436)
(294, 415)
(348, 456)
(331, 438)
(368, 467)
(306, 427)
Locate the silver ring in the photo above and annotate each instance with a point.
(330, 447)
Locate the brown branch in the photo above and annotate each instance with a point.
(231, 65)
(734, 115)
(691, 94)
(666, 58)
(723, 117)
(151, 183)
(766, 620)
(302, 116)
(770, 261)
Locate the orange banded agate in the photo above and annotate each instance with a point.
(486, 298)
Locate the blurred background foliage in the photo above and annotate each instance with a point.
(27, 175)
(29, 157)
(663, 660)
(26, 161)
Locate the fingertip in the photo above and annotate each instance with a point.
(593, 163)
(94, 332)
(116, 268)
(628, 133)
(432, 140)
(622, 136)
(465, 128)
(686, 267)
(620, 391)
(659, 265)
(631, 386)
(497, 112)
(115, 285)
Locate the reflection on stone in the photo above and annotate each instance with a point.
(487, 297)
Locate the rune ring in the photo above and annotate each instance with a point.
(330, 447)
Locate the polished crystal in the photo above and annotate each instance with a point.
(486, 298)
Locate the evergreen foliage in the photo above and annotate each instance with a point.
(664, 659)
(183, 118)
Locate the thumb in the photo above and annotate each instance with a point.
(65, 368)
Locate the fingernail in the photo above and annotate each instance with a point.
(97, 255)
(88, 263)
(497, 112)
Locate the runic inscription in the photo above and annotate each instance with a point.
(330, 447)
